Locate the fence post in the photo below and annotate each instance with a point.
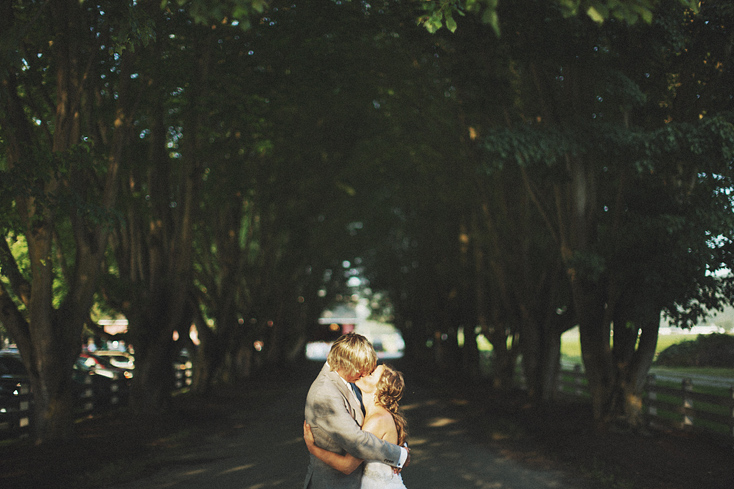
(687, 403)
(24, 407)
(652, 395)
(114, 392)
(87, 395)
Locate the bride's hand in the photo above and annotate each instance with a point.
(308, 436)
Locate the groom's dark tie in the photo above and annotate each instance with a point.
(357, 393)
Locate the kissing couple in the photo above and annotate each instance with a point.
(340, 435)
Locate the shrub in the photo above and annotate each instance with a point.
(714, 350)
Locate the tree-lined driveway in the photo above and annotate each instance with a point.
(260, 446)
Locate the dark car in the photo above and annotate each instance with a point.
(13, 374)
(11, 364)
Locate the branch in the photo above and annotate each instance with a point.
(60, 256)
(13, 320)
(534, 197)
(19, 285)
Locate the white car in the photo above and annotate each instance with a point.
(118, 359)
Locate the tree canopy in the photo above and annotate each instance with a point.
(534, 166)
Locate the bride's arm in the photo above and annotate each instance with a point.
(343, 463)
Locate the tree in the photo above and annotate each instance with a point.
(610, 159)
(70, 93)
(62, 134)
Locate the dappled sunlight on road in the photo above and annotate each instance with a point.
(447, 451)
(441, 422)
(238, 468)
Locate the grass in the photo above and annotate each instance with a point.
(571, 354)
(571, 346)
(708, 371)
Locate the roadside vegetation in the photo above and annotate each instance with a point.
(708, 351)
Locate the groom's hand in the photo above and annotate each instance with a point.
(397, 470)
(308, 436)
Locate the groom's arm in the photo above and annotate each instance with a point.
(345, 464)
(332, 416)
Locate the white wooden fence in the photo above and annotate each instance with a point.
(677, 407)
(91, 394)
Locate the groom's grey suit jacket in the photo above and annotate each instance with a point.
(335, 416)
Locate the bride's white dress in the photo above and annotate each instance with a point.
(377, 475)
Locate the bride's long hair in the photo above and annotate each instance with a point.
(388, 393)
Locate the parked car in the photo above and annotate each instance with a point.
(12, 374)
(119, 359)
(11, 364)
(95, 365)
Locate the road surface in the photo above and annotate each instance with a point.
(264, 448)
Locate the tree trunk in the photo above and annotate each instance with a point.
(594, 333)
(636, 326)
(150, 391)
(540, 344)
(540, 340)
(548, 367)
(207, 355)
(503, 357)
(155, 247)
(576, 205)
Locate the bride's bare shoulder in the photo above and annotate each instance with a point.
(380, 423)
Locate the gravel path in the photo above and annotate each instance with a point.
(263, 448)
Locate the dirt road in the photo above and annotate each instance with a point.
(263, 448)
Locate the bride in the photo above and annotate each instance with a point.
(381, 391)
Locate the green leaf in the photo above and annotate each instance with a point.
(434, 22)
(490, 17)
(595, 15)
(450, 23)
(259, 6)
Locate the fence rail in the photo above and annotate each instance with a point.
(94, 393)
(91, 394)
(677, 407)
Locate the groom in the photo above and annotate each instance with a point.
(335, 415)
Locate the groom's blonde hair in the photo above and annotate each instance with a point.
(353, 353)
